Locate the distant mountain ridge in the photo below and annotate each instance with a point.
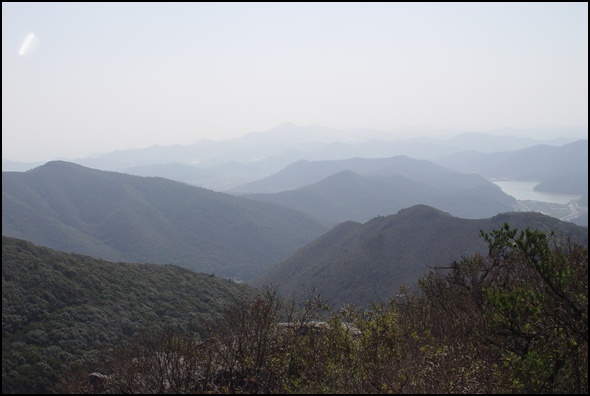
(302, 173)
(541, 163)
(360, 189)
(225, 164)
(359, 263)
(120, 217)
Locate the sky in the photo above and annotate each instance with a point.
(85, 78)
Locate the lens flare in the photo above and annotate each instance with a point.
(28, 44)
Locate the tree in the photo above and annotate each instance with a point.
(525, 305)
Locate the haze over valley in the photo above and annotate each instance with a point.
(275, 198)
(276, 191)
(282, 159)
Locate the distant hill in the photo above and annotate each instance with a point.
(61, 310)
(358, 263)
(562, 169)
(121, 217)
(302, 173)
(382, 186)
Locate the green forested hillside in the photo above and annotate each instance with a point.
(120, 217)
(359, 263)
(62, 310)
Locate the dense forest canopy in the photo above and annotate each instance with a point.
(64, 310)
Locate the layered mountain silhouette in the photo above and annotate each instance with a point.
(120, 217)
(225, 164)
(359, 189)
(562, 169)
(357, 263)
(302, 173)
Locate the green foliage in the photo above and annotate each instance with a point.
(539, 308)
(526, 304)
(62, 311)
(512, 321)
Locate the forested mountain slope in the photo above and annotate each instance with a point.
(121, 217)
(61, 310)
(358, 263)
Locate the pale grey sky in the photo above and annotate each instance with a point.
(83, 78)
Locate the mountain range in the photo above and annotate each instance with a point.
(562, 169)
(120, 217)
(225, 164)
(359, 189)
(308, 224)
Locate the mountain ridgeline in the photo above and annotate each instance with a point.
(227, 164)
(561, 169)
(120, 217)
(358, 263)
(359, 189)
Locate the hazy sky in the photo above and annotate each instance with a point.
(83, 78)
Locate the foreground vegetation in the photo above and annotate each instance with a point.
(515, 320)
(62, 311)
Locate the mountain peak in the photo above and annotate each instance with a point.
(421, 210)
(57, 165)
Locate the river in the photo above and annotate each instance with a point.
(523, 190)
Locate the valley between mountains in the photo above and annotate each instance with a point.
(93, 258)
